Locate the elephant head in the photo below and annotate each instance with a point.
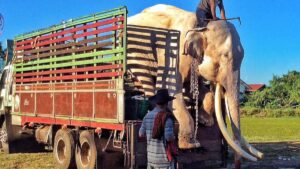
(220, 53)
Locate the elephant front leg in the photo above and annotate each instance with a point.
(186, 138)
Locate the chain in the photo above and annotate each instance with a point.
(194, 89)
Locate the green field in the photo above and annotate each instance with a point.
(271, 129)
(254, 129)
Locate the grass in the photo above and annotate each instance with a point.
(27, 161)
(268, 112)
(271, 129)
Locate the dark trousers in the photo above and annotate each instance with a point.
(201, 16)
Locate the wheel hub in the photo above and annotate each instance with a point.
(85, 153)
(61, 150)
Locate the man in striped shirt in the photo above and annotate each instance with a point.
(156, 152)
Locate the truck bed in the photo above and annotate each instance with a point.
(72, 73)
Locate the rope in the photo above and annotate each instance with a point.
(194, 89)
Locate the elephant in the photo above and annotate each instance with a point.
(218, 53)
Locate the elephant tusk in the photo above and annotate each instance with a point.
(250, 148)
(223, 129)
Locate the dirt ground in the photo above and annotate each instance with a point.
(283, 155)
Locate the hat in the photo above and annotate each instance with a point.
(162, 96)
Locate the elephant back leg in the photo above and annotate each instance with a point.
(207, 105)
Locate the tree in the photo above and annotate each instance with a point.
(283, 92)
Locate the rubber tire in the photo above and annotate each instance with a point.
(86, 141)
(65, 138)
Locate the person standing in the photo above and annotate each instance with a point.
(207, 10)
(156, 147)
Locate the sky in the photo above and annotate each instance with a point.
(270, 29)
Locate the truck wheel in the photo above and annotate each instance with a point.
(64, 149)
(86, 151)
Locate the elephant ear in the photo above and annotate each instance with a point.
(195, 43)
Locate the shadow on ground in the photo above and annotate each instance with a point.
(284, 155)
(281, 155)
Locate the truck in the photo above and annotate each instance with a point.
(67, 88)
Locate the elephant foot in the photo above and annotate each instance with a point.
(206, 120)
(185, 142)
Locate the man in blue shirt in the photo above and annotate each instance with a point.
(207, 10)
(156, 152)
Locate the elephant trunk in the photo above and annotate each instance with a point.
(233, 113)
(232, 87)
(219, 115)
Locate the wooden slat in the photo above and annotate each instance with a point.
(47, 37)
(67, 45)
(67, 86)
(71, 77)
(65, 58)
(68, 51)
(105, 67)
(113, 28)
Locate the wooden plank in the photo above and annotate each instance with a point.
(27, 103)
(67, 45)
(63, 39)
(110, 84)
(104, 67)
(62, 65)
(83, 104)
(67, 86)
(63, 103)
(106, 105)
(71, 77)
(73, 30)
(44, 103)
(62, 86)
(67, 51)
(92, 85)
